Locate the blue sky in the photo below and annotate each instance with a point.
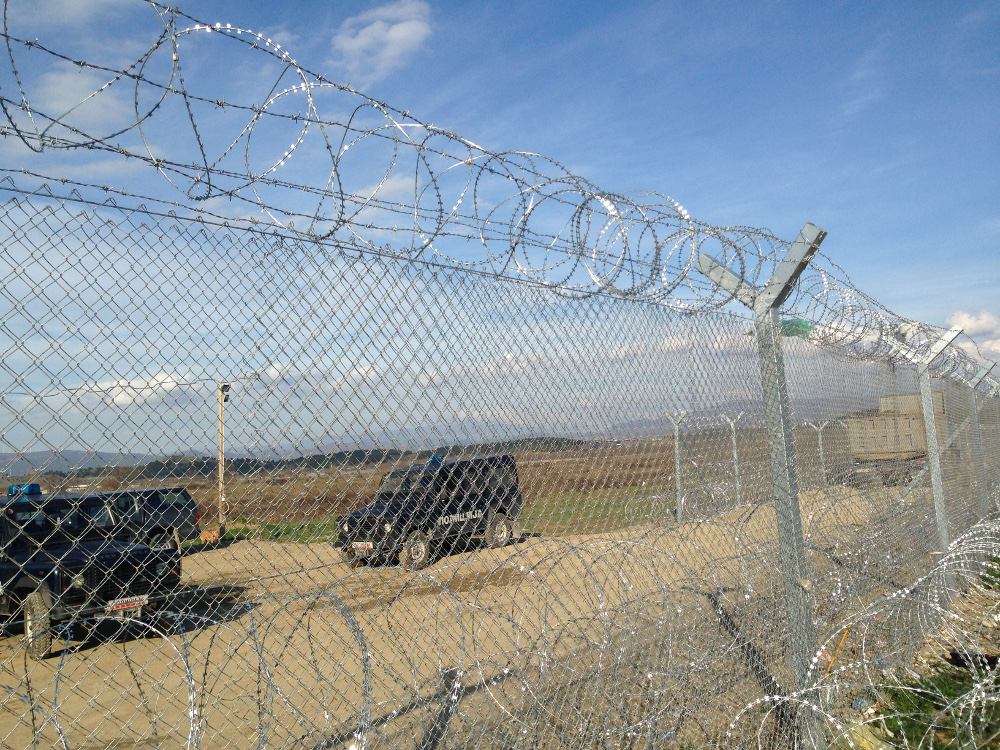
(877, 122)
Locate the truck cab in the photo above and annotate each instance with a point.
(65, 558)
(159, 517)
(420, 507)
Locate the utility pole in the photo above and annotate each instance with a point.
(223, 398)
(678, 484)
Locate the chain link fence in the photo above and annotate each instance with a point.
(525, 472)
(634, 600)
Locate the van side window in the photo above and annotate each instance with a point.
(124, 504)
(482, 481)
(501, 478)
(173, 498)
(98, 516)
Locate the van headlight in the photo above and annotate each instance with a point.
(76, 582)
(162, 568)
(388, 527)
(345, 527)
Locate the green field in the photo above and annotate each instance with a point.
(557, 513)
(594, 511)
(299, 532)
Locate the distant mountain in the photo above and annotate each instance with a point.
(14, 465)
(532, 444)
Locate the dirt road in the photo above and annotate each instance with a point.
(284, 645)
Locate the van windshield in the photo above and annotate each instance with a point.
(407, 482)
(57, 522)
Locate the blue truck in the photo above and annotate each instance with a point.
(421, 507)
(68, 558)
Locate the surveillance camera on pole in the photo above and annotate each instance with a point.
(224, 389)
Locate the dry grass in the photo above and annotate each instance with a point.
(563, 490)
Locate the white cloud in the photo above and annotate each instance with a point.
(65, 93)
(287, 39)
(628, 351)
(132, 392)
(975, 323)
(865, 86)
(983, 327)
(675, 343)
(62, 12)
(373, 44)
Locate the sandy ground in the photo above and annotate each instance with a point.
(284, 645)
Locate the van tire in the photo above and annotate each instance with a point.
(37, 626)
(416, 552)
(499, 531)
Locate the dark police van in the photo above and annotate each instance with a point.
(66, 556)
(425, 505)
(159, 517)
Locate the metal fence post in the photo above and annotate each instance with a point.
(934, 457)
(822, 458)
(795, 569)
(977, 440)
(736, 455)
(930, 431)
(679, 500)
(993, 399)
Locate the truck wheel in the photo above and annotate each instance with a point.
(416, 552)
(164, 538)
(37, 626)
(350, 558)
(499, 531)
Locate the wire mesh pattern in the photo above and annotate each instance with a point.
(465, 455)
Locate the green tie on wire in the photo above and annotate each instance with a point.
(797, 327)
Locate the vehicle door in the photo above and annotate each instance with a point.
(130, 512)
(445, 517)
(505, 495)
(186, 511)
(8, 568)
(416, 505)
(475, 498)
(161, 513)
(178, 511)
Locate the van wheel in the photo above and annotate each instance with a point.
(37, 626)
(416, 552)
(499, 531)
